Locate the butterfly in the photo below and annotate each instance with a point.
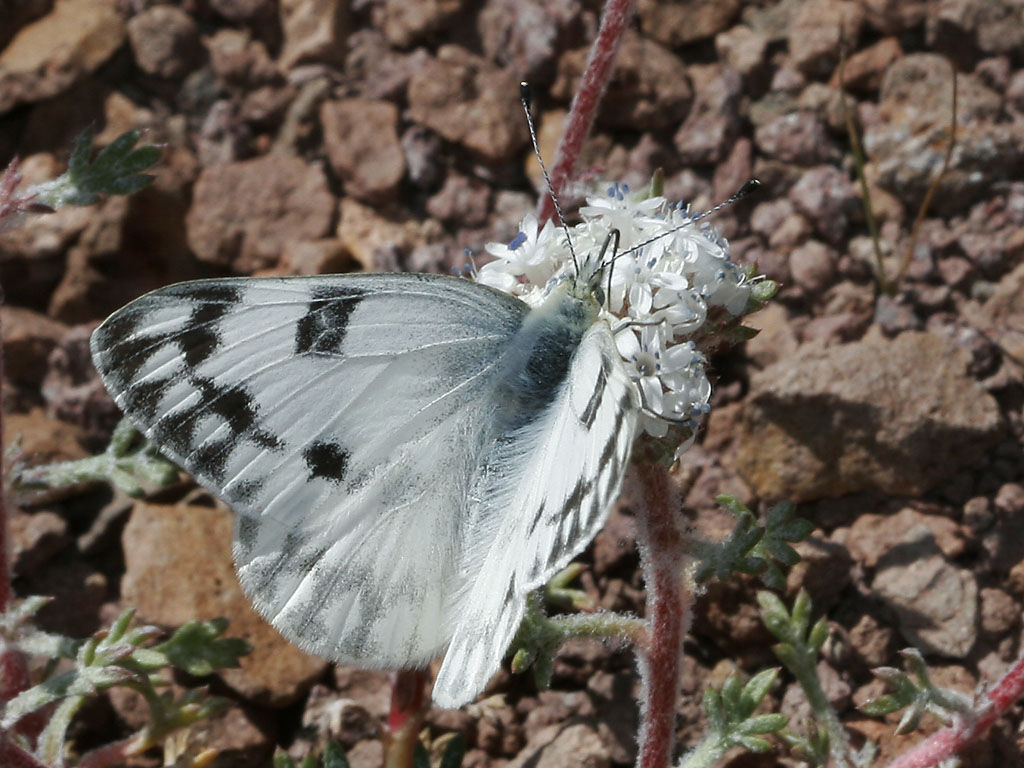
(408, 455)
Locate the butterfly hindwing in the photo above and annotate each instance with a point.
(343, 418)
(543, 493)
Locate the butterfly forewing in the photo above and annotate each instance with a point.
(343, 419)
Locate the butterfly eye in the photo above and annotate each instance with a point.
(599, 294)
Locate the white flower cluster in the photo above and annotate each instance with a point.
(669, 271)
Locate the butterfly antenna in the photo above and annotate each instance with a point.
(742, 192)
(526, 97)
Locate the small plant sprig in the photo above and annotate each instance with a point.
(754, 548)
(117, 170)
(130, 463)
(732, 721)
(124, 656)
(333, 756)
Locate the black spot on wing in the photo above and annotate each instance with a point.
(326, 460)
(322, 329)
(247, 530)
(590, 412)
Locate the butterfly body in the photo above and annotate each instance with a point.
(408, 455)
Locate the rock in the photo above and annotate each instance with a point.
(872, 641)
(1000, 613)
(796, 137)
(407, 23)
(508, 31)
(28, 339)
(650, 89)
(1000, 316)
(572, 743)
(676, 24)
(823, 571)
(55, 52)
(906, 145)
(316, 257)
(713, 123)
(827, 197)
(361, 138)
(816, 31)
(164, 40)
(897, 416)
(775, 340)
(314, 31)
(242, 735)
(935, 602)
(34, 539)
(461, 200)
(377, 243)
(614, 547)
(863, 70)
(871, 535)
(470, 102)
(178, 568)
(42, 439)
(422, 148)
(366, 754)
(328, 716)
(742, 48)
(813, 266)
(77, 591)
(380, 72)
(73, 390)
(991, 26)
(243, 213)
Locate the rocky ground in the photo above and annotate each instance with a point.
(305, 137)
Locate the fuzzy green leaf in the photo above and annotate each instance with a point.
(198, 649)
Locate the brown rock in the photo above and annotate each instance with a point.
(34, 539)
(826, 196)
(907, 142)
(378, 243)
(58, 50)
(178, 568)
(73, 390)
(28, 339)
(871, 535)
(469, 102)
(314, 30)
(77, 593)
(649, 90)
(407, 23)
(1000, 316)
(863, 70)
(872, 641)
(242, 735)
(813, 266)
(677, 23)
(370, 687)
(243, 213)
(899, 416)
(742, 48)
(316, 257)
(462, 200)
(508, 34)
(990, 26)
(775, 341)
(573, 743)
(361, 138)
(816, 30)
(823, 571)
(164, 40)
(41, 439)
(714, 120)
(1000, 613)
(796, 137)
(935, 602)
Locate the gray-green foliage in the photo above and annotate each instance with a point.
(918, 694)
(732, 721)
(116, 170)
(122, 655)
(130, 463)
(753, 547)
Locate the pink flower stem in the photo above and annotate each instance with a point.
(596, 75)
(663, 549)
(5, 564)
(409, 705)
(13, 756)
(950, 740)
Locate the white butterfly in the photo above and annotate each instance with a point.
(408, 455)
